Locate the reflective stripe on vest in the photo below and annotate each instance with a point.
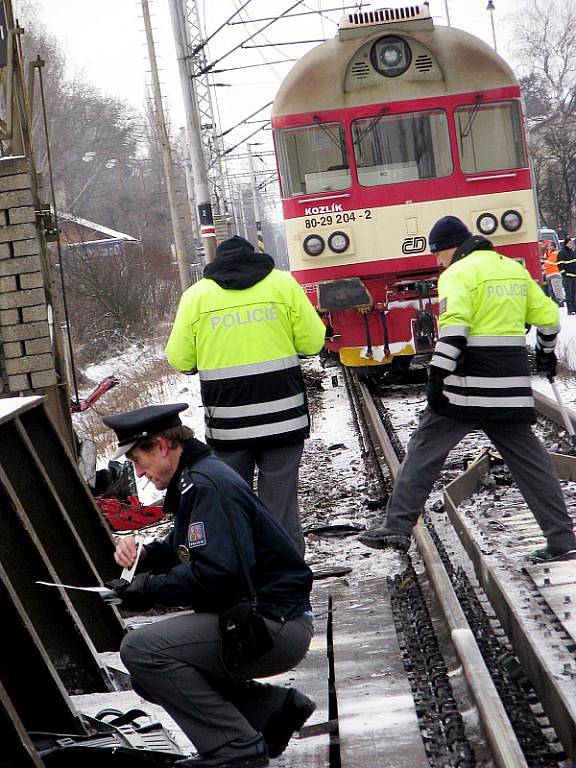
(489, 402)
(496, 341)
(443, 362)
(447, 349)
(261, 430)
(255, 409)
(486, 382)
(234, 371)
(454, 330)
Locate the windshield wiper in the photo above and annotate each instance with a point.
(371, 125)
(325, 130)
(466, 132)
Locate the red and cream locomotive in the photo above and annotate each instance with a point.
(378, 133)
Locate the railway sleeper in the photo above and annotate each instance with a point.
(540, 743)
(441, 724)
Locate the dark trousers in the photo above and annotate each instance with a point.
(277, 480)
(177, 663)
(570, 292)
(526, 457)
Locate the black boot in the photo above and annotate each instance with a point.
(551, 555)
(290, 718)
(380, 537)
(240, 753)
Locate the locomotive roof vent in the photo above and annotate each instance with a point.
(354, 23)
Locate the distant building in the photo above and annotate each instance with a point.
(87, 239)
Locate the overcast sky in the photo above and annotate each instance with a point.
(105, 40)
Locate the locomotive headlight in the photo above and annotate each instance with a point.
(391, 56)
(511, 221)
(487, 223)
(313, 245)
(338, 242)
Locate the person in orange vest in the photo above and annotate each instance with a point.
(552, 274)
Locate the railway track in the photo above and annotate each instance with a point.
(509, 623)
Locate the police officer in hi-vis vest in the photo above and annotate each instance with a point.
(479, 378)
(242, 328)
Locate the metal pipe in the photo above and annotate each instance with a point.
(165, 150)
(193, 132)
(257, 220)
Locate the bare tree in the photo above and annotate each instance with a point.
(106, 170)
(546, 52)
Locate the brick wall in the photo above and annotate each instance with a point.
(26, 346)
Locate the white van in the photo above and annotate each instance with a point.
(550, 236)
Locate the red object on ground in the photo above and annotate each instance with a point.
(101, 389)
(128, 516)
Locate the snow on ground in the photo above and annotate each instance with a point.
(335, 482)
(334, 488)
(566, 353)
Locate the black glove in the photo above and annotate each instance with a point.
(437, 400)
(546, 362)
(134, 595)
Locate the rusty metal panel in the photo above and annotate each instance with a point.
(31, 484)
(17, 748)
(49, 610)
(38, 696)
(72, 490)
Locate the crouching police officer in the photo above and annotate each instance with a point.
(480, 379)
(224, 555)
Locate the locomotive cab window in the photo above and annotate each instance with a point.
(396, 148)
(490, 137)
(312, 159)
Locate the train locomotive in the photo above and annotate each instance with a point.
(378, 133)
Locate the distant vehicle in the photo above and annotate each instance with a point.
(551, 236)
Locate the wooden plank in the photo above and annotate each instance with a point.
(376, 713)
(553, 574)
(557, 585)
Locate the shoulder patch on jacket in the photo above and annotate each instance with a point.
(443, 305)
(185, 482)
(196, 535)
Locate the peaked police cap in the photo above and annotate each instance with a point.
(133, 426)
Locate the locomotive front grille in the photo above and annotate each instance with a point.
(385, 16)
(360, 70)
(423, 63)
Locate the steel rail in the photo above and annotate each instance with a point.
(560, 706)
(500, 735)
(550, 408)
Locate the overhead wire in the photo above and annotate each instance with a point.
(280, 53)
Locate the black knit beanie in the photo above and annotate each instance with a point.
(448, 232)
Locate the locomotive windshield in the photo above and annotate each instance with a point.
(490, 137)
(312, 159)
(399, 148)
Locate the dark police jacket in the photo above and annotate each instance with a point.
(567, 261)
(197, 564)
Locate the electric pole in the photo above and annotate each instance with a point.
(165, 151)
(193, 129)
(257, 219)
(491, 8)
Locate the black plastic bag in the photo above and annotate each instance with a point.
(116, 480)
